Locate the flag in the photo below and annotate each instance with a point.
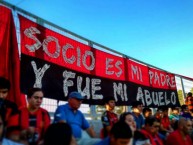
(9, 55)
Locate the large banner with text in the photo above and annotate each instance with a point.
(59, 65)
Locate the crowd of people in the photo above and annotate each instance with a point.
(149, 126)
(31, 125)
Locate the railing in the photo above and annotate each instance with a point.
(184, 84)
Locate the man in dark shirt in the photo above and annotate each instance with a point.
(109, 118)
(150, 130)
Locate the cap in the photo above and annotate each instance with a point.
(76, 95)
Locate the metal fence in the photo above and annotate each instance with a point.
(184, 84)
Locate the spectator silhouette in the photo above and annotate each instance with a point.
(120, 134)
(59, 134)
(3, 139)
(181, 135)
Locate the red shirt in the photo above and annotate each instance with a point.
(39, 119)
(154, 140)
(176, 139)
(165, 122)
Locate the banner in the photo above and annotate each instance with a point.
(59, 65)
(9, 55)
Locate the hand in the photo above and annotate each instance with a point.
(31, 130)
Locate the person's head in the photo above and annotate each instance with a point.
(152, 125)
(129, 119)
(185, 126)
(147, 112)
(189, 126)
(184, 108)
(159, 113)
(137, 107)
(120, 134)
(58, 134)
(189, 94)
(165, 111)
(110, 103)
(75, 100)
(175, 110)
(4, 87)
(35, 98)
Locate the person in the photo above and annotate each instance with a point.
(181, 135)
(147, 112)
(151, 129)
(190, 128)
(7, 107)
(189, 100)
(108, 118)
(159, 113)
(129, 119)
(59, 134)
(3, 139)
(138, 137)
(185, 112)
(34, 120)
(120, 134)
(137, 107)
(174, 116)
(165, 127)
(70, 114)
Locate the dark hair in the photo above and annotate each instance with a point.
(146, 109)
(11, 129)
(31, 91)
(123, 116)
(189, 94)
(159, 108)
(136, 103)
(183, 107)
(4, 83)
(162, 108)
(109, 98)
(175, 126)
(138, 135)
(150, 120)
(58, 134)
(121, 130)
(175, 108)
(165, 108)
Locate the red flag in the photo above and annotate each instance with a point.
(9, 55)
